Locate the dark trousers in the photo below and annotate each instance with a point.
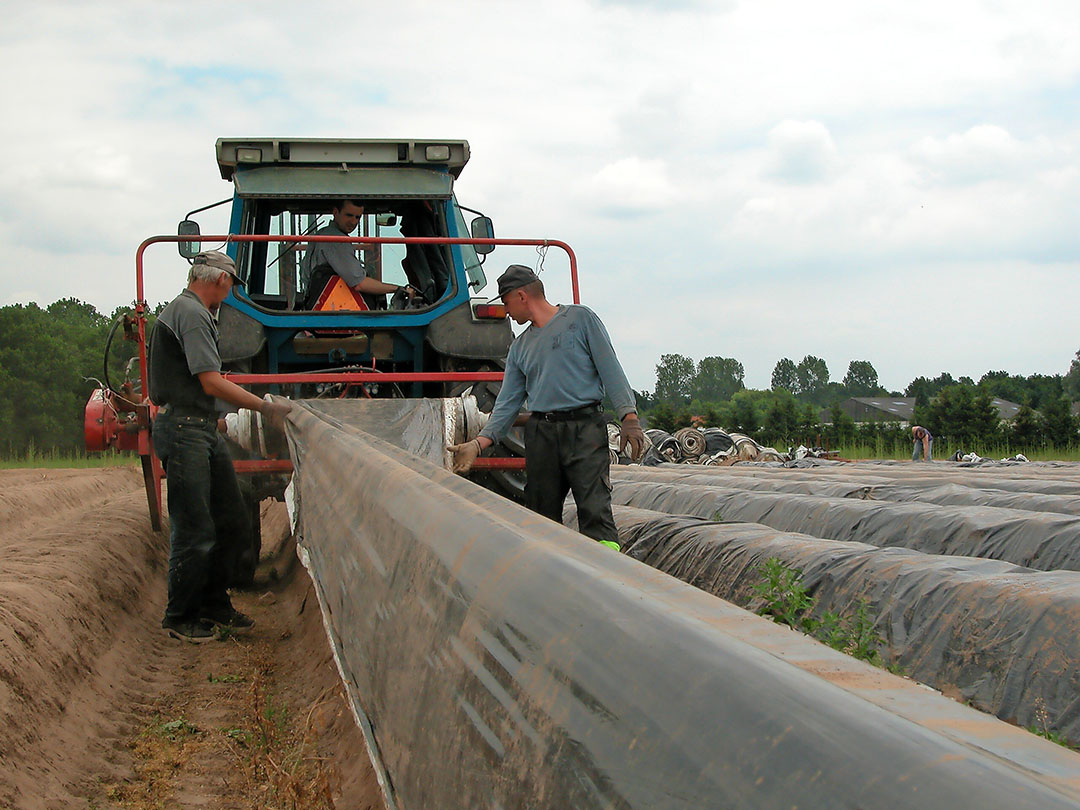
(207, 519)
(571, 456)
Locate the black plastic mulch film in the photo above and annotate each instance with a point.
(499, 660)
(1003, 636)
(1044, 540)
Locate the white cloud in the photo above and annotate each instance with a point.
(801, 152)
(765, 159)
(630, 186)
(984, 152)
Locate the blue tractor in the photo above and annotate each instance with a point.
(279, 336)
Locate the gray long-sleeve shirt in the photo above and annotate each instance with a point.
(567, 364)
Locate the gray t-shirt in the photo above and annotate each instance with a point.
(340, 256)
(567, 364)
(183, 345)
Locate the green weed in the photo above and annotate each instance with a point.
(241, 736)
(785, 600)
(1042, 726)
(231, 678)
(175, 729)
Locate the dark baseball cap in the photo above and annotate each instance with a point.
(215, 258)
(515, 277)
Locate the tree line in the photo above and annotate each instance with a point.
(802, 404)
(51, 359)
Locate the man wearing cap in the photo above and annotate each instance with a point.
(325, 259)
(562, 364)
(206, 513)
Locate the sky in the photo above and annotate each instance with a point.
(897, 183)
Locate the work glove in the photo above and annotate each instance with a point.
(464, 455)
(630, 433)
(275, 411)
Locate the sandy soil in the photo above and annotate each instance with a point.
(100, 709)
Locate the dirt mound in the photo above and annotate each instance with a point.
(99, 708)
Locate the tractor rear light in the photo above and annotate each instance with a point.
(494, 312)
(437, 153)
(248, 154)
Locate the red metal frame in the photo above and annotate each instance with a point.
(152, 470)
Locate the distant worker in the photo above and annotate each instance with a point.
(207, 517)
(562, 364)
(325, 259)
(923, 443)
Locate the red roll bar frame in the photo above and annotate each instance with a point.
(152, 470)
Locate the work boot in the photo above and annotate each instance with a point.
(228, 617)
(193, 631)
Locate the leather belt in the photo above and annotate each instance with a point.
(186, 413)
(583, 412)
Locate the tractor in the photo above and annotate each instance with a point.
(278, 337)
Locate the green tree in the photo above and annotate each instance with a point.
(718, 378)
(1071, 381)
(785, 375)
(1058, 424)
(842, 427)
(782, 419)
(674, 378)
(743, 413)
(813, 377)
(861, 379)
(1042, 388)
(661, 417)
(1003, 385)
(1025, 430)
(45, 356)
(925, 390)
(963, 414)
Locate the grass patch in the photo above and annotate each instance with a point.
(66, 459)
(945, 450)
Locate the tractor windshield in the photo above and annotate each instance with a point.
(278, 272)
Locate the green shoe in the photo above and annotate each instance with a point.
(609, 544)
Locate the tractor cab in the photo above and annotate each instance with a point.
(279, 322)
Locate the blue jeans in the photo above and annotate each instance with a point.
(207, 519)
(916, 453)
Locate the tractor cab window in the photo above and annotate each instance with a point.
(276, 270)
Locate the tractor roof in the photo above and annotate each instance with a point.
(339, 152)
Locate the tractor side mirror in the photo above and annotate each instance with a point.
(482, 228)
(189, 250)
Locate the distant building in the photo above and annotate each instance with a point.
(877, 409)
(1006, 410)
(901, 409)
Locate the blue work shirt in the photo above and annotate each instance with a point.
(567, 364)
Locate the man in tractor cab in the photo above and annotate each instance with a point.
(325, 259)
(564, 364)
(207, 517)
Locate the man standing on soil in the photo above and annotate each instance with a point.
(922, 441)
(206, 513)
(563, 363)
